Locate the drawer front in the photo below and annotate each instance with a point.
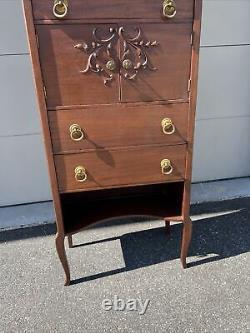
(105, 168)
(104, 63)
(118, 126)
(113, 9)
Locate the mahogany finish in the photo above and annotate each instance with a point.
(116, 69)
(130, 126)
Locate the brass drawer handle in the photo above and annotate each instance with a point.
(76, 133)
(169, 8)
(167, 126)
(166, 167)
(60, 8)
(80, 174)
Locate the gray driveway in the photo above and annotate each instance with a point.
(131, 259)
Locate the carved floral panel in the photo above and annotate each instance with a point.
(132, 59)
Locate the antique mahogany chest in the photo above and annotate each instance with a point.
(116, 82)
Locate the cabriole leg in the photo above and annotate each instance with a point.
(62, 256)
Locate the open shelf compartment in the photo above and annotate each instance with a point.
(85, 208)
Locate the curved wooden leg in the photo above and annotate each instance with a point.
(167, 225)
(186, 238)
(70, 241)
(62, 256)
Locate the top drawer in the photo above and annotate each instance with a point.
(113, 9)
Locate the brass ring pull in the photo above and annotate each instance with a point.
(76, 133)
(166, 167)
(80, 174)
(169, 8)
(167, 126)
(60, 8)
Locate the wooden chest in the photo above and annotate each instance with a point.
(116, 82)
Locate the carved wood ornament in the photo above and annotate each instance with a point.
(132, 60)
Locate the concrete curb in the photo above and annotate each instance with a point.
(220, 190)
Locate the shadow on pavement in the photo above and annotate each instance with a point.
(214, 238)
(222, 234)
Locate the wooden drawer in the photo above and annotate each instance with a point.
(116, 168)
(118, 126)
(163, 73)
(113, 9)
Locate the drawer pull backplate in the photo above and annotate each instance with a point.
(169, 9)
(80, 174)
(166, 167)
(60, 8)
(76, 133)
(167, 126)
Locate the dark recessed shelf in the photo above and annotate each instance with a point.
(85, 208)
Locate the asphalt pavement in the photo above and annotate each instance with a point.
(121, 265)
